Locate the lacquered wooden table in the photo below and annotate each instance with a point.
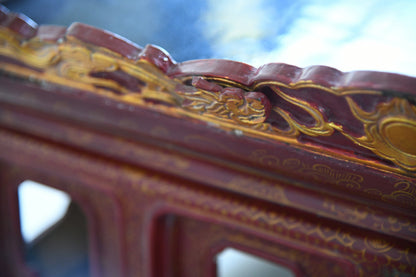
(310, 168)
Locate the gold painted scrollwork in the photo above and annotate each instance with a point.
(321, 172)
(377, 245)
(355, 215)
(390, 131)
(231, 103)
(405, 192)
(73, 63)
(320, 128)
(34, 52)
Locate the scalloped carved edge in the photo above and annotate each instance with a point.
(225, 92)
(235, 71)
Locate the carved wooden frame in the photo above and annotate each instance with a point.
(174, 161)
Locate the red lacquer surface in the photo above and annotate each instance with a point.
(165, 192)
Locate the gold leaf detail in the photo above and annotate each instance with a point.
(320, 128)
(231, 103)
(405, 192)
(390, 131)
